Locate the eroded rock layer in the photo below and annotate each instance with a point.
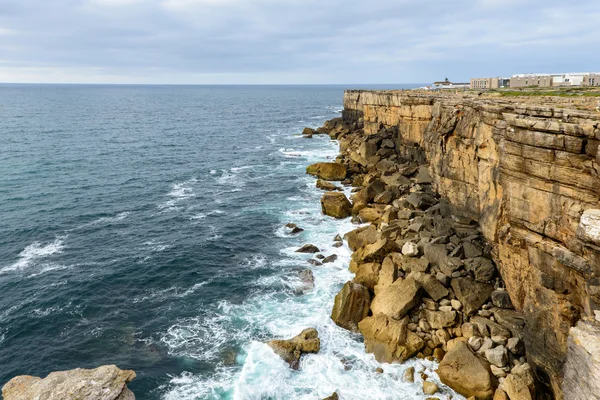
(530, 176)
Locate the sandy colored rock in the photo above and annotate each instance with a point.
(440, 319)
(103, 383)
(327, 186)
(351, 306)
(466, 373)
(362, 236)
(471, 294)
(582, 368)
(397, 299)
(388, 339)
(520, 385)
(430, 387)
(291, 350)
(336, 205)
(328, 171)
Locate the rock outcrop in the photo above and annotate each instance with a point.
(351, 306)
(291, 350)
(527, 171)
(336, 205)
(328, 171)
(103, 383)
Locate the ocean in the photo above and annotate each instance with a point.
(143, 226)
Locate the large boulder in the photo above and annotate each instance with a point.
(520, 384)
(466, 373)
(397, 299)
(362, 236)
(375, 252)
(471, 294)
(336, 205)
(388, 339)
(291, 350)
(351, 306)
(328, 171)
(103, 383)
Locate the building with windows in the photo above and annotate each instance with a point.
(591, 80)
(527, 80)
(446, 84)
(489, 83)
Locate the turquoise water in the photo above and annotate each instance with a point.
(142, 226)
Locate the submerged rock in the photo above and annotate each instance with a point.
(103, 383)
(336, 205)
(328, 171)
(292, 349)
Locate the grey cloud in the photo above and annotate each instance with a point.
(284, 41)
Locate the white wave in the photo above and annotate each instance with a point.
(230, 178)
(105, 220)
(35, 252)
(169, 293)
(44, 312)
(49, 268)
(254, 262)
(179, 192)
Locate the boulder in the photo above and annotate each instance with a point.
(336, 205)
(308, 248)
(330, 259)
(308, 131)
(368, 274)
(362, 236)
(501, 299)
(436, 254)
(466, 373)
(388, 339)
(327, 186)
(370, 214)
(430, 387)
(334, 396)
(434, 288)
(471, 294)
(375, 252)
(485, 325)
(483, 269)
(440, 319)
(497, 356)
(291, 350)
(410, 249)
(103, 383)
(328, 171)
(397, 299)
(351, 306)
(520, 385)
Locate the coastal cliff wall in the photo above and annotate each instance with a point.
(530, 174)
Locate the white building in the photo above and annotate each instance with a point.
(562, 79)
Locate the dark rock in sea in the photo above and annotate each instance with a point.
(338, 244)
(308, 248)
(294, 228)
(334, 396)
(330, 259)
(308, 132)
(338, 238)
(314, 262)
(292, 349)
(320, 256)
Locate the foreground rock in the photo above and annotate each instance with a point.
(582, 369)
(466, 373)
(328, 171)
(351, 306)
(103, 383)
(291, 350)
(308, 248)
(390, 340)
(336, 205)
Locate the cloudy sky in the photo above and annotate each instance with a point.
(293, 41)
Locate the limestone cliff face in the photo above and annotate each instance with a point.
(527, 173)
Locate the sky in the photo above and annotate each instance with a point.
(293, 41)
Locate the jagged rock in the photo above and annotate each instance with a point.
(515, 346)
(475, 342)
(410, 249)
(430, 387)
(362, 236)
(351, 306)
(388, 339)
(440, 319)
(466, 373)
(484, 326)
(497, 356)
(327, 186)
(520, 385)
(589, 226)
(369, 214)
(314, 262)
(385, 197)
(471, 294)
(501, 299)
(103, 383)
(291, 350)
(468, 330)
(375, 252)
(308, 248)
(397, 299)
(582, 367)
(368, 274)
(511, 320)
(482, 268)
(423, 175)
(409, 374)
(387, 274)
(471, 250)
(307, 277)
(433, 287)
(435, 253)
(500, 395)
(336, 205)
(338, 238)
(334, 396)
(330, 259)
(328, 171)
(308, 131)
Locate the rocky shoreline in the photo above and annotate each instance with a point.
(424, 283)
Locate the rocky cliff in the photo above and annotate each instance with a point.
(530, 175)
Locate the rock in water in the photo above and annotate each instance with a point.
(328, 186)
(336, 205)
(328, 171)
(466, 373)
(291, 350)
(103, 383)
(351, 306)
(308, 248)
